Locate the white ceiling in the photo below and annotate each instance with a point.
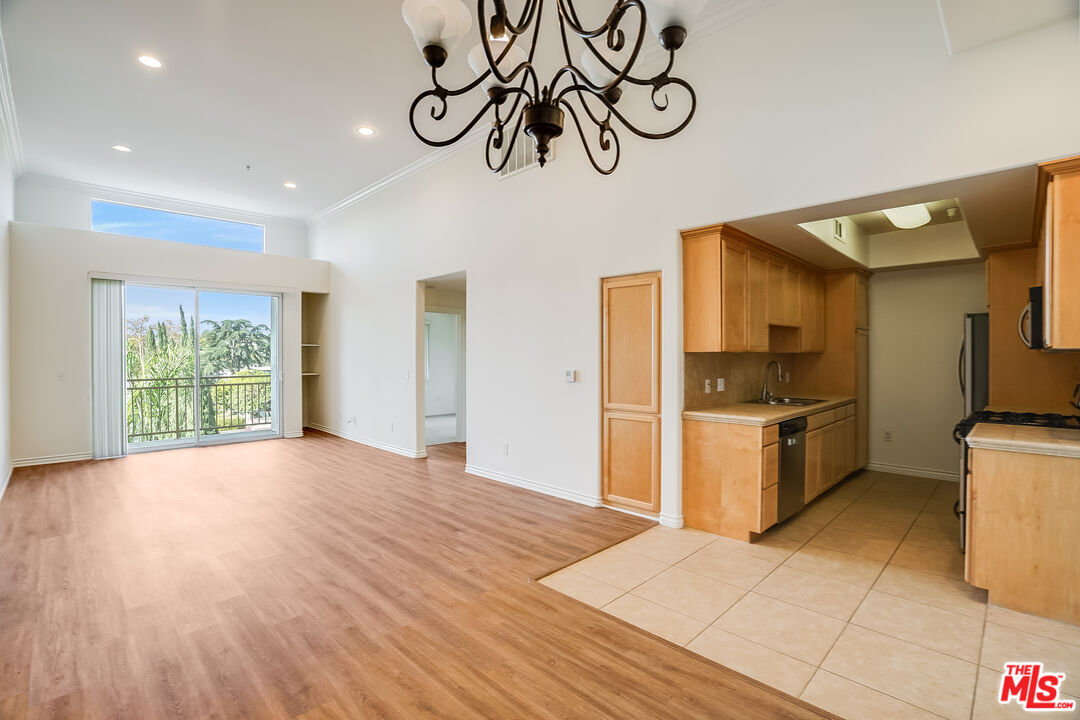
(972, 23)
(278, 84)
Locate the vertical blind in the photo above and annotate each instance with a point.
(107, 341)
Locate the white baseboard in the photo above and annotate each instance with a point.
(377, 444)
(671, 521)
(916, 471)
(3, 488)
(544, 488)
(294, 434)
(50, 459)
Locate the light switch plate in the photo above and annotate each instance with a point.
(571, 376)
(708, 385)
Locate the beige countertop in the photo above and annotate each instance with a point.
(749, 413)
(1026, 439)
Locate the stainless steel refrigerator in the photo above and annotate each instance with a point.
(973, 366)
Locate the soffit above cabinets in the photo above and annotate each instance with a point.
(996, 209)
(969, 24)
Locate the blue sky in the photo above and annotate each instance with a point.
(177, 227)
(163, 304)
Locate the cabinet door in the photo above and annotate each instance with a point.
(733, 305)
(862, 394)
(631, 343)
(757, 302)
(862, 304)
(701, 293)
(813, 313)
(775, 293)
(849, 446)
(1063, 252)
(814, 458)
(792, 295)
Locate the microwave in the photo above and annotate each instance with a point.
(1030, 324)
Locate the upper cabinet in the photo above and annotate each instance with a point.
(1059, 254)
(735, 288)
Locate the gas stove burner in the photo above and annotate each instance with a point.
(1049, 420)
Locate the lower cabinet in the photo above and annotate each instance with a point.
(830, 456)
(731, 472)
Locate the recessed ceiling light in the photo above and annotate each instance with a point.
(908, 216)
(150, 61)
(121, 148)
(365, 131)
(290, 185)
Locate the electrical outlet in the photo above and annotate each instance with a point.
(60, 377)
(406, 374)
(720, 385)
(787, 377)
(391, 426)
(888, 436)
(352, 421)
(506, 448)
(708, 385)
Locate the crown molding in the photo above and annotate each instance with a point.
(159, 202)
(736, 11)
(12, 139)
(414, 168)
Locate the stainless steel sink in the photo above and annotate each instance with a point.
(788, 401)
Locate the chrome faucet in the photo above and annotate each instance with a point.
(766, 394)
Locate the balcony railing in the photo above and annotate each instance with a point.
(164, 408)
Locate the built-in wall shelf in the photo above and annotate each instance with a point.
(309, 374)
(310, 345)
(313, 310)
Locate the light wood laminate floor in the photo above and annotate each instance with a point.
(318, 578)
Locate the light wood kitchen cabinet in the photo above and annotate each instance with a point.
(715, 293)
(830, 454)
(731, 472)
(1059, 253)
(1022, 532)
(735, 287)
(812, 309)
(757, 302)
(733, 300)
(862, 303)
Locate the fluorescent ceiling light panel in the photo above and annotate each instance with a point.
(908, 216)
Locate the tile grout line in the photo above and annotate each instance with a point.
(978, 659)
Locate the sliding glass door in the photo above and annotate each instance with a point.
(202, 366)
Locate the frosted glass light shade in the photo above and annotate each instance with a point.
(436, 22)
(597, 73)
(672, 13)
(479, 64)
(908, 216)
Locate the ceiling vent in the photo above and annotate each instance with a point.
(524, 157)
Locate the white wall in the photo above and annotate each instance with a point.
(916, 327)
(440, 388)
(50, 321)
(784, 121)
(7, 202)
(66, 203)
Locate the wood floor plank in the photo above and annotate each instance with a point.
(320, 579)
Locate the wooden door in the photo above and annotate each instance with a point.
(757, 303)
(733, 310)
(630, 407)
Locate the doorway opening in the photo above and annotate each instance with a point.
(441, 371)
(200, 366)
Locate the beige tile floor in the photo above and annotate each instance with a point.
(857, 605)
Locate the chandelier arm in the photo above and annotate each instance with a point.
(607, 136)
(527, 15)
(630, 126)
(440, 95)
(580, 77)
(509, 148)
(485, 41)
(567, 10)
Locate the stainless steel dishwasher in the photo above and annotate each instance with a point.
(791, 495)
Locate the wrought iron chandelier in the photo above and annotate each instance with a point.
(509, 79)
